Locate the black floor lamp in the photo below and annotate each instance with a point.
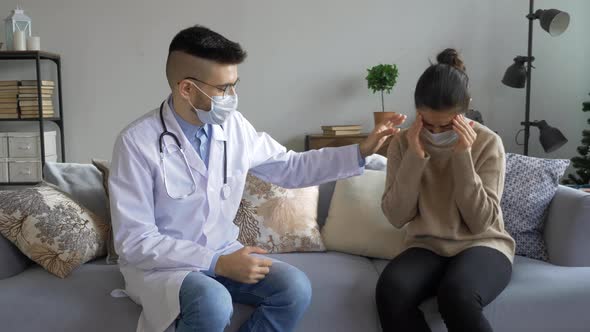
(555, 22)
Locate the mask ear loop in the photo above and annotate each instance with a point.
(203, 92)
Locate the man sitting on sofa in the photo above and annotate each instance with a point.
(176, 182)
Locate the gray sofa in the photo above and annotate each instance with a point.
(542, 296)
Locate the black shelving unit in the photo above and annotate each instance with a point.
(37, 57)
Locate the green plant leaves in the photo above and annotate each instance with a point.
(382, 77)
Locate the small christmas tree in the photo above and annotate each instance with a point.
(582, 162)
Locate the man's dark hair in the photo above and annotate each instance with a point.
(204, 43)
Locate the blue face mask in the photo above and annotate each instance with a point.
(221, 108)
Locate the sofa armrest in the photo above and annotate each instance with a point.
(567, 228)
(12, 261)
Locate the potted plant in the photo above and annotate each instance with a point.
(382, 78)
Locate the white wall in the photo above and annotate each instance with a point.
(307, 61)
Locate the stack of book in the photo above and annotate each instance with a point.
(28, 99)
(8, 100)
(342, 130)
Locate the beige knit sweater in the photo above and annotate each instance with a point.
(448, 201)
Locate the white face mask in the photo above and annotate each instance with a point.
(221, 108)
(441, 139)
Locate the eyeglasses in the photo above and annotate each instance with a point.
(227, 90)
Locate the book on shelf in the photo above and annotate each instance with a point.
(33, 95)
(36, 116)
(8, 111)
(9, 116)
(27, 89)
(35, 108)
(34, 83)
(8, 100)
(23, 103)
(37, 113)
(341, 132)
(343, 128)
(4, 107)
(8, 83)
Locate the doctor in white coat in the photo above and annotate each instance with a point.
(176, 182)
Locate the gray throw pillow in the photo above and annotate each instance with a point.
(83, 182)
(529, 188)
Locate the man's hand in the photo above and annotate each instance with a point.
(467, 135)
(242, 267)
(414, 142)
(380, 134)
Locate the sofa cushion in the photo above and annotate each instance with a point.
(343, 298)
(529, 188)
(36, 301)
(540, 297)
(343, 293)
(356, 225)
(374, 162)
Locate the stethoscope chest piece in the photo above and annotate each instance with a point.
(225, 191)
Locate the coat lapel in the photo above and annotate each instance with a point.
(216, 155)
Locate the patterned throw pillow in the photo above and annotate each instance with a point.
(104, 168)
(529, 188)
(279, 220)
(51, 229)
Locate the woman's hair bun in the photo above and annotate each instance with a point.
(451, 57)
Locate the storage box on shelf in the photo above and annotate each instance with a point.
(3, 170)
(20, 156)
(3, 145)
(26, 169)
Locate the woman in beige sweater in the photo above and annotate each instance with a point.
(445, 179)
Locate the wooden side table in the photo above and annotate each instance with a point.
(315, 142)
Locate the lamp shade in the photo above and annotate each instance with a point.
(551, 138)
(553, 21)
(515, 75)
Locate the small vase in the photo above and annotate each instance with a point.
(382, 116)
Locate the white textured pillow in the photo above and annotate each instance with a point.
(356, 224)
(279, 220)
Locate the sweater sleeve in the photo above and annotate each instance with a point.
(402, 186)
(479, 187)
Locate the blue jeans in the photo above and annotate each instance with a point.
(280, 300)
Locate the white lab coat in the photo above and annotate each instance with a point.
(160, 240)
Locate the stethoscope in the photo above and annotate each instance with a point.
(225, 190)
